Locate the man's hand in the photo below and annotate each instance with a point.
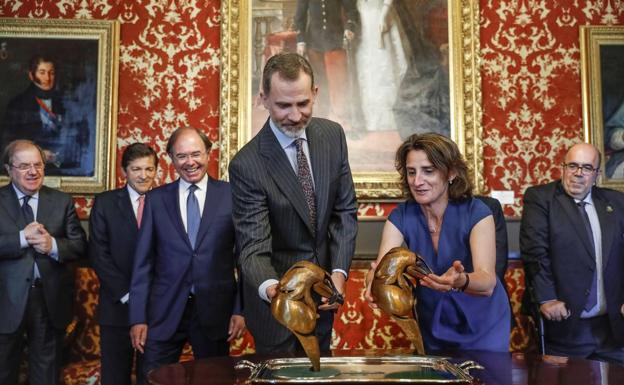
(138, 336)
(38, 237)
(622, 310)
(349, 35)
(555, 310)
(271, 292)
(339, 282)
(236, 328)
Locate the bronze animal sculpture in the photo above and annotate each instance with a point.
(392, 290)
(294, 307)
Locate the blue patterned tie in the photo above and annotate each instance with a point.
(192, 214)
(27, 211)
(305, 179)
(592, 298)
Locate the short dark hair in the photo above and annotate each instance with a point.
(288, 65)
(14, 146)
(177, 132)
(37, 59)
(445, 156)
(137, 151)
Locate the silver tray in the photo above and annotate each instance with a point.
(386, 369)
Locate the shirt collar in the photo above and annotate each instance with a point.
(134, 195)
(283, 139)
(202, 184)
(20, 194)
(588, 199)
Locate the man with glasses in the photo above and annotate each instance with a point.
(40, 234)
(572, 244)
(183, 286)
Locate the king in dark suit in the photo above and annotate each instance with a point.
(183, 285)
(40, 235)
(293, 200)
(572, 244)
(113, 228)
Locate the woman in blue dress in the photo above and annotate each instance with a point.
(462, 305)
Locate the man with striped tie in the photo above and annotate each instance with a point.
(113, 229)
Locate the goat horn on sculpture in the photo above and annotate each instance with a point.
(392, 290)
(294, 307)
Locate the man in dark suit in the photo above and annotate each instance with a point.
(183, 286)
(39, 235)
(113, 228)
(572, 244)
(293, 200)
(322, 26)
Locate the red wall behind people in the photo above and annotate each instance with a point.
(169, 76)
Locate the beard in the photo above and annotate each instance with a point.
(292, 132)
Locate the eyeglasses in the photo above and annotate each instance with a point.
(585, 168)
(193, 156)
(27, 166)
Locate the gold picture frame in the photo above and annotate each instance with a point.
(77, 129)
(237, 54)
(602, 75)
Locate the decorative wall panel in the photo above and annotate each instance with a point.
(530, 67)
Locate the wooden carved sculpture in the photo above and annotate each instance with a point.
(294, 307)
(392, 290)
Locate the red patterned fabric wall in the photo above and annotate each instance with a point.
(169, 76)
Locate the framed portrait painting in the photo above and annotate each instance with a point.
(385, 69)
(602, 70)
(59, 90)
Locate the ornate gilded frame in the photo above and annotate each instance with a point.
(593, 38)
(47, 32)
(465, 95)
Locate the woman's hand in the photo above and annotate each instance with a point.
(368, 282)
(453, 278)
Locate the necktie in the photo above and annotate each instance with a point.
(192, 215)
(140, 210)
(27, 211)
(305, 179)
(592, 298)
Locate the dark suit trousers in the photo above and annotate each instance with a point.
(117, 355)
(44, 345)
(592, 339)
(159, 353)
(323, 333)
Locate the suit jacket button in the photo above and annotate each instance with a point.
(194, 255)
(587, 292)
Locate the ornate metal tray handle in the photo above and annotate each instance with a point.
(294, 307)
(253, 368)
(392, 290)
(467, 366)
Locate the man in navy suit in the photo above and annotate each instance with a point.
(183, 286)
(572, 244)
(113, 228)
(40, 236)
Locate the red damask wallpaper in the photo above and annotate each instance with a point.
(169, 76)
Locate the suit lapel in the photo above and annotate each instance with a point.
(8, 200)
(125, 209)
(282, 172)
(172, 205)
(571, 211)
(606, 219)
(45, 208)
(319, 158)
(213, 200)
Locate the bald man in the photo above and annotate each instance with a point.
(572, 244)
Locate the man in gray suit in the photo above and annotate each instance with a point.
(39, 235)
(293, 200)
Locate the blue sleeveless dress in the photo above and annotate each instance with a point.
(454, 320)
